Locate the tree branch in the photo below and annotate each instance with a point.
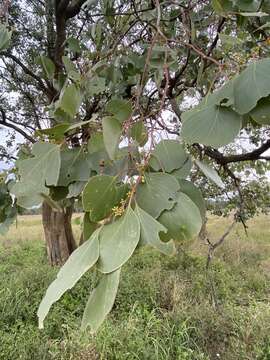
(14, 127)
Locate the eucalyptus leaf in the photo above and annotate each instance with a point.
(168, 155)
(111, 134)
(157, 193)
(36, 174)
(184, 170)
(183, 221)
(188, 188)
(261, 113)
(251, 85)
(120, 109)
(211, 125)
(77, 264)
(101, 301)
(210, 173)
(150, 229)
(118, 241)
(100, 195)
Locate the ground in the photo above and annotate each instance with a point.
(166, 308)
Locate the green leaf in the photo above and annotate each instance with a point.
(183, 221)
(36, 173)
(188, 188)
(48, 66)
(120, 109)
(70, 100)
(248, 5)
(118, 241)
(5, 37)
(252, 85)
(73, 44)
(211, 125)
(111, 135)
(157, 193)
(96, 143)
(75, 189)
(184, 170)
(261, 113)
(150, 229)
(138, 132)
(168, 155)
(100, 195)
(89, 227)
(254, 14)
(101, 301)
(222, 6)
(77, 264)
(210, 173)
(74, 166)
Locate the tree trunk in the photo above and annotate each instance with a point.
(58, 233)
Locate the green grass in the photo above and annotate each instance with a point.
(166, 308)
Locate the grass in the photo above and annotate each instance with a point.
(165, 308)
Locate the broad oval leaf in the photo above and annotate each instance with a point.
(252, 85)
(261, 113)
(168, 155)
(111, 135)
(210, 173)
(101, 301)
(211, 125)
(183, 221)
(77, 264)
(138, 132)
(120, 109)
(118, 241)
(184, 170)
(157, 193)
(99, 196)
(37, 172)
(188, 188)
(150, 229)
(70, 100)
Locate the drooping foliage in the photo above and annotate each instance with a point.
(113, 144)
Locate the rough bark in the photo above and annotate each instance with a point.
(58, 233)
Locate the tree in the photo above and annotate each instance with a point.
(119, 79)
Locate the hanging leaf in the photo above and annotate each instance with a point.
(74, 166)
(96, 143)
(168, 155)
(70, 100)
(120, 109)
(118, 241)
(138, 132)
(210, 173)
(36, 173)
(74, 44)
(252, 85)
(157, 193)
(101, 301)
(47, 66)
(188, 188)
(261, 113)
(183, 221)
(75, 189)
(184, 170)
(100, 195)
(5, 37)
(77, 264)
(111, 134)
(211, 125)
(150, 229)
(89, 227)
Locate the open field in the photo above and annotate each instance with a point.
(164, 309)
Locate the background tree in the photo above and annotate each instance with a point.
(101, 89)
